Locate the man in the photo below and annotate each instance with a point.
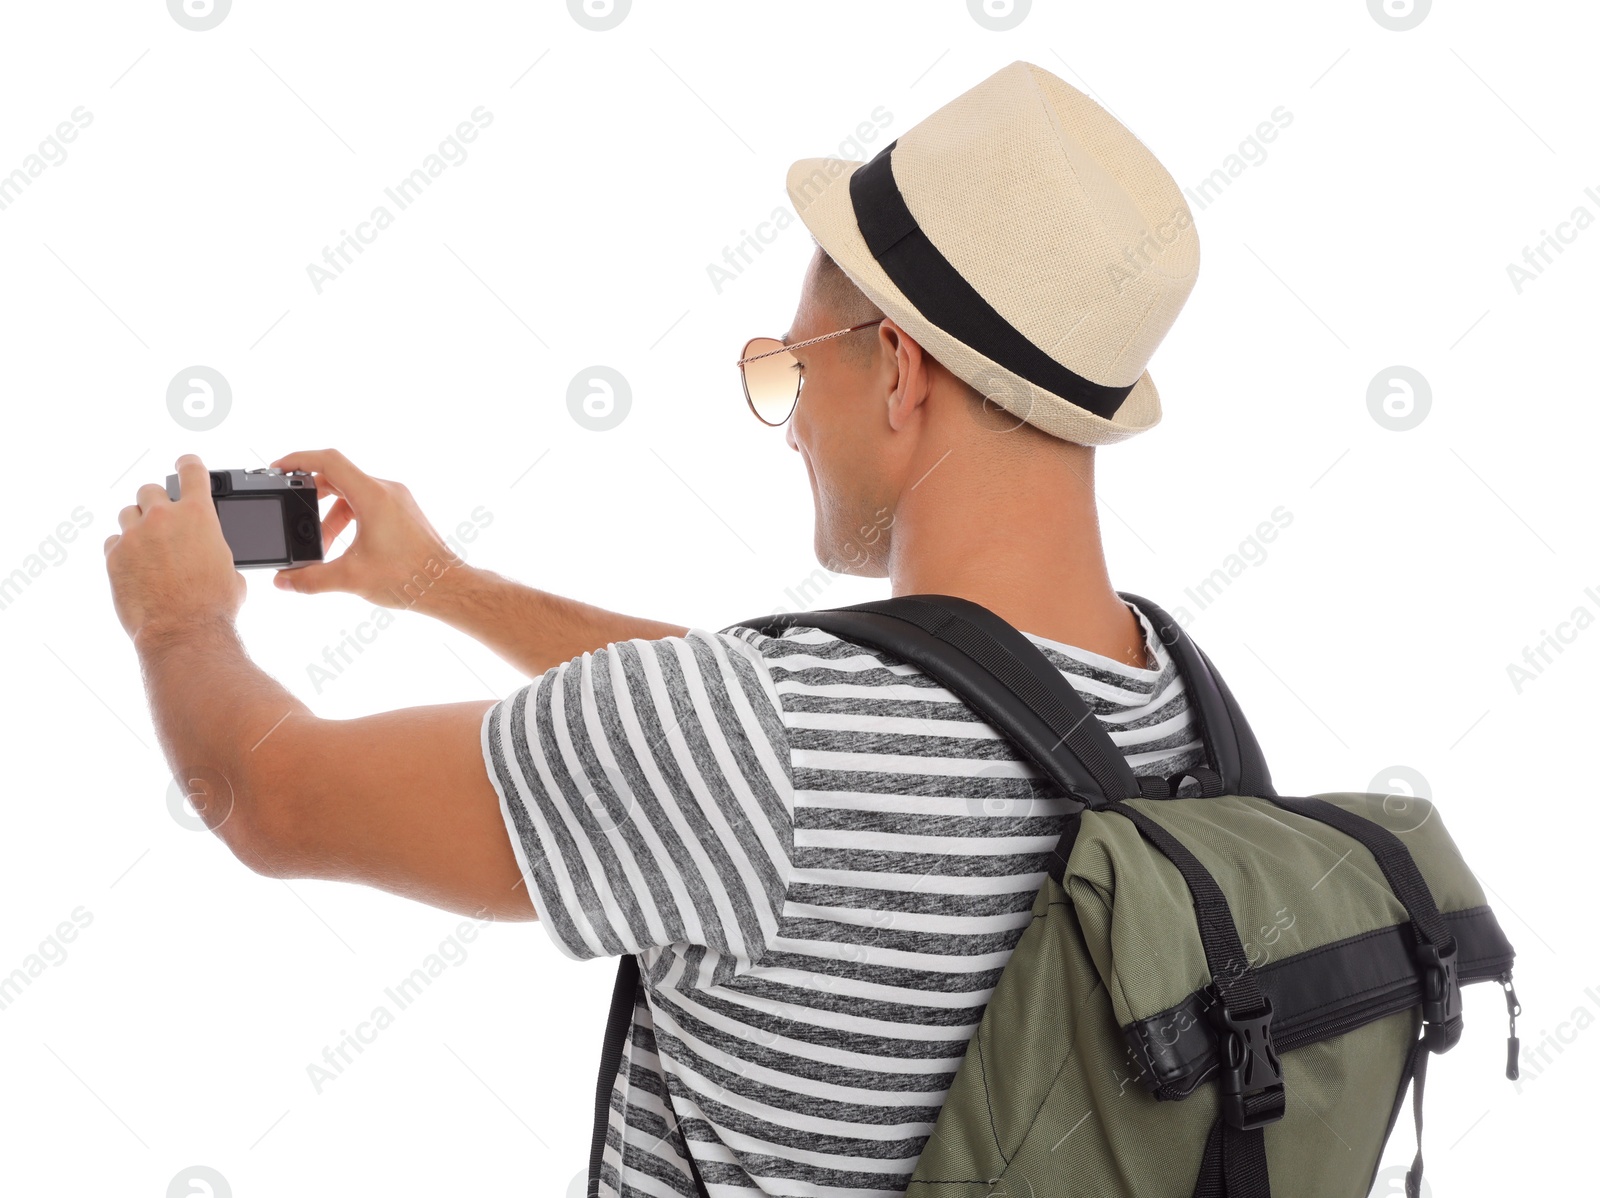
(821, 858)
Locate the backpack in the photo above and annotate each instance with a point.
(1216, 990)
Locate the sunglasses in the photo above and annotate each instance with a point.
(772, 375)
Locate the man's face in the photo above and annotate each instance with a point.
(841, 430)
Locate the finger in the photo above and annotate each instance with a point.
(313, 580)
(194, 481)
(339, 472)
(335, 522)
(128, 517)
(110, 542)
(150, 495)
(296, 461)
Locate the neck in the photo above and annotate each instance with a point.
(1021, 537)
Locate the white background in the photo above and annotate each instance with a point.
(1376, 633)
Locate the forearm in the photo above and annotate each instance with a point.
(213, 709)
(532, 629)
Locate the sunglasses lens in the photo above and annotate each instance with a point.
(771, 383)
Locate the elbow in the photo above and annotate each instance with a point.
(256, 822)
(257, 837)
(266, 854)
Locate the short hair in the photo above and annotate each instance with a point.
(849, 305)
(845, 301)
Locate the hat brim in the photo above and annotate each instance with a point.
(819, 188)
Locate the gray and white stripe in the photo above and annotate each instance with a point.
(823, 860)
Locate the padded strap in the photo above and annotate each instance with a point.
(1231, 744)
(968, 648)
(998, 672)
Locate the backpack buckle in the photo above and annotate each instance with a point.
(1441, 996)
(1249, 1066)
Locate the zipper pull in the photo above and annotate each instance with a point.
(1513, 1009)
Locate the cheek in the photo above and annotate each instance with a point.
(829, 419)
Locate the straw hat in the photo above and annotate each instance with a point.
(1027, 240)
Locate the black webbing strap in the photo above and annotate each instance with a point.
(1394, 859)
(1219, 935)
(1235, 1162)
(1250, 1078)
(1418, 1077)
(1415, 1075)
(1435, 947)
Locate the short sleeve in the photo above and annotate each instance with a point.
(648, 793)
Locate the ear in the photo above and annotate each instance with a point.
(912, 374)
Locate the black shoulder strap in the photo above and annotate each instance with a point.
(998, 672)
(1232, 746)
(969, 649)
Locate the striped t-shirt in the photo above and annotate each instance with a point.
(823, 860)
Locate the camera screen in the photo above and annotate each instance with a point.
(254, 529)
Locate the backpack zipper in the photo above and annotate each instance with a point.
(1513, 1009)
(1402, 998)
(1348, 1019)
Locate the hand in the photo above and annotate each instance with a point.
(396, 559)
(171, 567)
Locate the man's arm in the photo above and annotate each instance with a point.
(399, 801)
(398, 560)
(532, 629)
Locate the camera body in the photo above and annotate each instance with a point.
(269, 518)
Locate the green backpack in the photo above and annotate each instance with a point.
(1215, 991)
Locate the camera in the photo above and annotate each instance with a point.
(269, 518)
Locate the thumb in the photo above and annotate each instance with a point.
(313, 580)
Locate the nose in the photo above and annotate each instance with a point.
(788, 435)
